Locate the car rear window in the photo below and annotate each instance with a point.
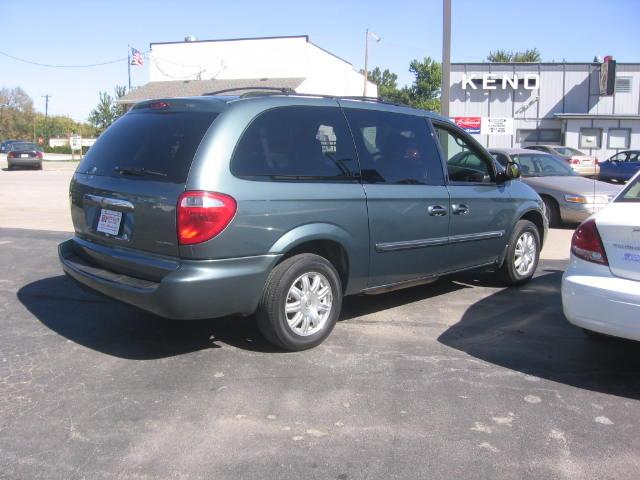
(23, 146)
(567, 151)
(163, 142)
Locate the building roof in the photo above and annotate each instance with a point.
(194, 88)
(599, 116)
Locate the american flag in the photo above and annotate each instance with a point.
(136, 57)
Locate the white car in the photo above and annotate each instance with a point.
(601, 287)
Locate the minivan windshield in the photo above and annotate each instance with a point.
(154, 145)
(537, 165)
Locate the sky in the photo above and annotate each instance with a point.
(95, 31)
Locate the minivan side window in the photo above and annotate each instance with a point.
(465, 163)
(297, 142)
(395, 148)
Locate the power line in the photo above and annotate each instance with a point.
(62, 66)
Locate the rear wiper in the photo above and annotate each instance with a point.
(141, 172)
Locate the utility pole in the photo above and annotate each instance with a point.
(446, 57)
(46, 116)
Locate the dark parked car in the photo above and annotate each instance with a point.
(621, 166)
(568, 197)
(24, 154)
(282, 204)
(4, 146)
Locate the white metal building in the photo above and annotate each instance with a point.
(192, 67)
(520, 104)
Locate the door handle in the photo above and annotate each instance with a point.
(437, 211)
(460, 209)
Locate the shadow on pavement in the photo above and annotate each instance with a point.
(525, 330)
(114, 328)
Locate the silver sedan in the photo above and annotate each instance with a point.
(567, 196)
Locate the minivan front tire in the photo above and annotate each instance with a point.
(524, 246)
(301, 302)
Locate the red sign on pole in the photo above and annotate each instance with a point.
(469, 124)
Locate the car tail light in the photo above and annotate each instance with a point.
(11, 155)
(39, 154)
(587, 244)
(203, 215)
(574, 161)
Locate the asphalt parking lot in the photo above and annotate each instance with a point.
(458, 379)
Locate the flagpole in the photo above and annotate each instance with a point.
(129, 64)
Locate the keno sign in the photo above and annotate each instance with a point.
(493, 81)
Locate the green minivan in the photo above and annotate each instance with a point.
(279, 204)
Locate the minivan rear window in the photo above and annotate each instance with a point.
(162, 142)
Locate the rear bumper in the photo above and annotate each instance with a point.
(193, 289)
(24, 162)
(593, 298)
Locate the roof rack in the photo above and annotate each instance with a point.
(264, 91)
(281, 90)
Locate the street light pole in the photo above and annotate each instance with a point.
(366, 57)
(366, 61)
(446, 57)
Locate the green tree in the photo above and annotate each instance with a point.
(102, 115)
(425, 91)
(506, 56)
(108, 110)
(119, 108)
(16, 113)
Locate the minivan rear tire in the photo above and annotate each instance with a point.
(271, 317)
(508, 273)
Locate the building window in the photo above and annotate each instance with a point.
(619, 138)
(623, 84)
(539, 135)
(590, 137)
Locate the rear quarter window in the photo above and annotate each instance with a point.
(631, 193)
(163, 141)
(297, 142)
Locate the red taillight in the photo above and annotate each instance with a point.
(11, 155)
(39, 154)
(574, 161)
(587, 244)
(203, 215)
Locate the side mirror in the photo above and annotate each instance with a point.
(512, 171)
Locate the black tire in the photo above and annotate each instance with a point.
(553, 212)
(508, 272)
(271, 316)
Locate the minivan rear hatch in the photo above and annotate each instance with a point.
(125, 190)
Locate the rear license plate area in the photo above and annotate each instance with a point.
(109, 222)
